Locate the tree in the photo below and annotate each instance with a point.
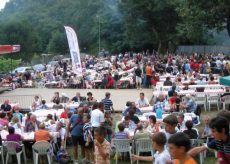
(149, 22)
(58, 43)
(199, 16)
(22, 33)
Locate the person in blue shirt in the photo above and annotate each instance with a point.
(187, 67)
(75, 127)
(78, 98)
(17, 113)
(43, 105)
(201, 82)
(132, 107)
(190, 104)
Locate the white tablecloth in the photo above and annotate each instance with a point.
(192, 92)
(26, 136)
(150, 109)
(74, 105)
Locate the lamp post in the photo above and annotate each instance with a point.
(99, 33)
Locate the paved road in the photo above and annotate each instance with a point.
(119, 97)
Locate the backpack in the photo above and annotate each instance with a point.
(63, 157)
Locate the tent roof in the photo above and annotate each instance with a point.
(225, 81)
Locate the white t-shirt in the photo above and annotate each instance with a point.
(97, 117)
(141, 103)
(161, 158)
(62, 131)
(168, 135)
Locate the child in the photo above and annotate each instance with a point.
(162, 155)
(17, 113)
(121, 134)
(192, 133)
(170, 123)
(179, 144)
(221, 142)
(88, 138)
(102, 146)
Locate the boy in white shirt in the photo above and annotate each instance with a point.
(161, 156)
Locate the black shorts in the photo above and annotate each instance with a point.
(78, 140)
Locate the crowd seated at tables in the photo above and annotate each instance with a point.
(93, 116)
(81, 117)
(128, 70)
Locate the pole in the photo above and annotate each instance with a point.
(99, 34)
(11, 61)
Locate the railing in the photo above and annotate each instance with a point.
(23, 101)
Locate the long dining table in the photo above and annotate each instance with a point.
(26, 136)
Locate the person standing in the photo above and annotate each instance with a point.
(149, 74)
(108, 104)
(138, 73)
(102, 147)
(97, 115)
(76, 122)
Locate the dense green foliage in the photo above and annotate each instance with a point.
(125, 24)
(7, 65)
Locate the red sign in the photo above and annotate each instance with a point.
(6, 49)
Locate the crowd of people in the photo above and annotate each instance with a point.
(122, 71)
(89, 124)
(91, 127)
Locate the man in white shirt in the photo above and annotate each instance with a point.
(142, 101)
(97, 116)
(61, 132)
(218, 63)
(181, 123)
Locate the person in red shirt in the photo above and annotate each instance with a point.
(110, 81)
(196, 66)
(192, 64)
(65, 113)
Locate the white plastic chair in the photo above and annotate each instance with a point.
(42, 148)
(183, 99)
(213, 100)
(11, 150)
(123, 146)
(196, 143)
(143, 145)
(226, 100)
(201, 100)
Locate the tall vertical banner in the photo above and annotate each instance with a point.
(74, 50)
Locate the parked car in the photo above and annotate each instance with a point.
(22, 69)
(39, 67)
(52, 63)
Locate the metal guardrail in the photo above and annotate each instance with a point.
(23, 101)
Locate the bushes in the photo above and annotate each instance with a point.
(6, 65)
